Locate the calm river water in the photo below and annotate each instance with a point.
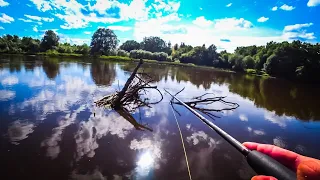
(51, 129)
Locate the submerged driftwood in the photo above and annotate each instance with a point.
(130, 98)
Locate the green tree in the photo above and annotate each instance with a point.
(154, 44)
(249, 62)
(103, 41)
(130, 45)
(50, 40)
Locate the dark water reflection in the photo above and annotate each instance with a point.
(50, 128)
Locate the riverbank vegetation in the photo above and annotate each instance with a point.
(290, 60)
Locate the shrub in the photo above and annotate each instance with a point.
(122, 53)
(142, 54)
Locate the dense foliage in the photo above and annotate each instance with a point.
(295, 60)
(103, 41)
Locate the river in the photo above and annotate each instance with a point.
(51, 129)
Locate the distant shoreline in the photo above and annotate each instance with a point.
(128, 59)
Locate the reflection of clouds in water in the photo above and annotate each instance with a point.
(72, 91)
(147, 144)
(98, 126)
(149, 149)
(200, 136)
(95, 175)
(19, 131)
(243, 117)
(256, 132)
(279, 120)
(198, 155)
(300, 149)
(9, 81)
(150, 155)
(52, 143)
(278, 141)
(6, 95)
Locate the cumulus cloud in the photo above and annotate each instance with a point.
(37, 18)
(42, 5)
(312, 3)
(228, 5)
(4, 3)
(286, 7)
(202, 22)
(5, 18)
(275, 8)
(296, 26)
(120, 28)
(1, 28)
(87, 32)
(298, 31)
(263, 19)
(35, 29)
(232, 23)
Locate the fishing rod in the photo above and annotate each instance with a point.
(262, 164)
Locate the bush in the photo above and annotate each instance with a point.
(52, 52)
(142, 54)
(122, 53)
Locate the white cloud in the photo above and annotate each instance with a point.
(202, 22)
(200, 8)
(9, 81)
(77, 41)
(87, 32)
(243, 117)
(25, 20)
(37, 18)
(42, 5)
(228, 5)
(240, 32)
(35, 29)
(1, 28)
(298, 31)
(120, 28)
(275, 8)
(296, 26)
(5, 18)
(3, 3)
(263, 19)
(232, 23)
(312, 3)
(287, 7)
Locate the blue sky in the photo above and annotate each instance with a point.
(225, 23)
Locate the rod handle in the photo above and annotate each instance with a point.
(263, 164)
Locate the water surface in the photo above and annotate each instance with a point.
(51, 129)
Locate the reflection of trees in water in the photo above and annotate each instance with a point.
(103, 73)
(283, 97)
(31, 62)
(51, 67)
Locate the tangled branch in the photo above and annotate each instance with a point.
(198, 103)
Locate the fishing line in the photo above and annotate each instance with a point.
(184, 148)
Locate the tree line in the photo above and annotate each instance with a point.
(291, 60)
